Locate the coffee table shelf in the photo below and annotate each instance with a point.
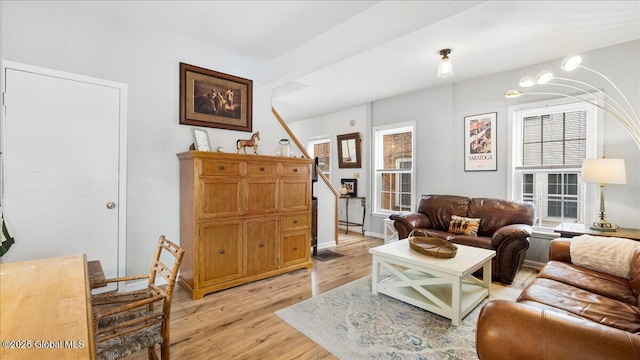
(443, 286)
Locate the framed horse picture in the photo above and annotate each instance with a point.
(213, 99)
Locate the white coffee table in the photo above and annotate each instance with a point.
(442, 286)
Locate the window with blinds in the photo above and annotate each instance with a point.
(553, 146)
(555, 139)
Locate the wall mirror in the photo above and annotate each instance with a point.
(349, 150)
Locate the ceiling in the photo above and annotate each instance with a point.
(320, 57)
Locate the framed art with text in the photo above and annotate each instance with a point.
(480, 142)
(213, 99)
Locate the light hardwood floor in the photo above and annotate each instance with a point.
(239, 323)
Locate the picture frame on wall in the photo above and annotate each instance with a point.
(351, 185)
(349, 151)
(480, 143)
(213, 99)
(201, 140)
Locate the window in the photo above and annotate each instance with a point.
(321, 148)
(549, 145)
(394, 181)
(403, 180)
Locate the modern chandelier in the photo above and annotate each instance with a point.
(620, 109)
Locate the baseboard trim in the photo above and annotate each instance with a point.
(533, 264)
(325, 245)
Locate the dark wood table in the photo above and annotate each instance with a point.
(570, 230)
(95, 273)
(346, 222)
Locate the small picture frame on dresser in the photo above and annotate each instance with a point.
(201, 140)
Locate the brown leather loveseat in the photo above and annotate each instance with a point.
(567, 312)
(505, 226)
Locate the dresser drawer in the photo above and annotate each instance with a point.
(219, 167)
(261, 169)
(295, 170)
(297, 221)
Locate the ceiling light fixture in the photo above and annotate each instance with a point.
(527, 81)
(445, 69)
(544, 77)
(623, 113)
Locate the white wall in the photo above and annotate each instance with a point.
(621, 64)
(431, 111)
(439, 116)
(57, 35)
(330, 126)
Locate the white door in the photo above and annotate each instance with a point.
(62, 152)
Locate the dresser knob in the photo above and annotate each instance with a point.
(221, 251)
(261, 245)
(221, 167)
(295, 248)
(261, 169)
(295, 170)
(295, 221)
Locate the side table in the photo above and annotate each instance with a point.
(390, 232)
(346, 222)
(570, 230)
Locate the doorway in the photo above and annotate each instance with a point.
(64, 165)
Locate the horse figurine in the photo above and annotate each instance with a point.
(253, 142)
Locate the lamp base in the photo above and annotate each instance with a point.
(603, 225)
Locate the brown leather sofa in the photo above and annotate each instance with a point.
(567, 312)
(505, 227)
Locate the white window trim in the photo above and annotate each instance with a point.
(594, 134)
(543, 213)
(375, 209)
(399, 180)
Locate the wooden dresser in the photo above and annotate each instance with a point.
(242, 218)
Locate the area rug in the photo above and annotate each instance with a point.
(324, 255)
(352, 323)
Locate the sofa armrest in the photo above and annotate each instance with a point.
(511, 330)
(521, 231)
(404, 224)
(560, 250)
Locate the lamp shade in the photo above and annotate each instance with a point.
(604, 171)
(571, 62)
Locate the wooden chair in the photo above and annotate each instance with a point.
(126, 322)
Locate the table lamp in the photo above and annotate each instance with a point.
(603, 171)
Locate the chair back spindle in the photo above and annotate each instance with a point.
(128, 321)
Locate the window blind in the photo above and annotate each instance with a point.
(555, 139)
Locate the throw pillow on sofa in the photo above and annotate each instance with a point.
(464, 226)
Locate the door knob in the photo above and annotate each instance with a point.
(111, 205)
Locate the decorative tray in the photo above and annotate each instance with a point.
(432, 246)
